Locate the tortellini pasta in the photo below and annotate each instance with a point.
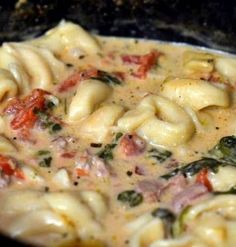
(8, 84)
(99, 124)
(227, 67)
(163, 123)
(197, 94)
(39, 213)
(68, 35)
(6, 146)
(30, 66)
(89, 95)
(197, 65)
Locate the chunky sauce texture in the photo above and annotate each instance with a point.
(48, 149)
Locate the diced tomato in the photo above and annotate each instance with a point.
(81, 172)
(76, 78)
(23, 110)
(132, 145)
(18, 173)
(202, 178)
(135, 59)
(8, 169)
(145, 62)
(68, 155)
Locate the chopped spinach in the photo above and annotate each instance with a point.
(160, 155)
(194, 167)
(55, 127)
(164, 214)
(107, 78)
(42, 152)
(227, 192)
(118, 136)
(50, 105)
(106, 152)
(47, 123)
(225, 150)
(130, 197)
(46, 162)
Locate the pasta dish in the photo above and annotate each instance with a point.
(116, 142)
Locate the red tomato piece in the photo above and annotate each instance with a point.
(76, 78)
(202, 178)
(145, 62)
(81, 172)
(23, 110)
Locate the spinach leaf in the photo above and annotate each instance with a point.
(107, 78)
(42, 152)
(161, 155)
(164, 214)
(130, 197)
(106, 152)
(194, 167)
(225, 150)
(46, 162)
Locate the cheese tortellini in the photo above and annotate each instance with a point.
(197, 94)
(68, 35)
(161, 122)
(39, 214)
(99, 124)
(227, 67)
(33, 67)
(89, 95)
(198, 65)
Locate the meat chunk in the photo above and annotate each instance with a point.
(189, 196)
(88, 164)
(63, 142)
(131, 145)
(151, 189)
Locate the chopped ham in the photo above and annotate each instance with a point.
(92, 165)
(189, 196)
(151, 189)
(63, 142)
(175, 185)
(132, 145)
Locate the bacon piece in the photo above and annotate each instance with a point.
(189, 196)
(76, 78)
(145, 62)
(132, 144)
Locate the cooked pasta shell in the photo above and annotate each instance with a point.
(196, 94)
(88, 96)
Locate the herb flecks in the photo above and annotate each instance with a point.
(44, 157)
(107, 152)
(161, 155)
(130, 197)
